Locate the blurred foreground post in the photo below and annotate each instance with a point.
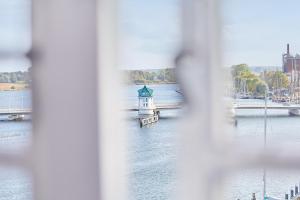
(69, 62)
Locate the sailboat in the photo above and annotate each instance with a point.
(294, 92)
(244, 93)
(265, 197)
(16, 117)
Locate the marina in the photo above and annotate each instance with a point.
(155, 178)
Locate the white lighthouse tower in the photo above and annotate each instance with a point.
(146, 104)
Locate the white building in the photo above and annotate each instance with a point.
(146, 104)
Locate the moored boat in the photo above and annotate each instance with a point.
(16, 117)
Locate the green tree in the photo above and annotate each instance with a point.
(241, 74)
(13, 77)
(260, 88)
(238, 70)
(170, 75)
(276, 80)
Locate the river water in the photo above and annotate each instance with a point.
(15, 183)
(152, 150)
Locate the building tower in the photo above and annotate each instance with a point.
(287, 60)
(146, 104)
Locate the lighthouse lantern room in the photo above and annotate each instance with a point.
(146, 104)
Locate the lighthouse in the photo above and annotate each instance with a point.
(146, 104)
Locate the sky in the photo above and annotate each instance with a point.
(15, 35)
(149, 33)
(254, 32)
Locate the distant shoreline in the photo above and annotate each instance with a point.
(142, 77)
(153, 83)
(13, 86)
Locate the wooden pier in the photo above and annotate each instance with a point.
(15, 114)
(160, 107)
(269, 107)
(15, 111)
(235, 106)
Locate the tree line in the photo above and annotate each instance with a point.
(256, 83)
(150, 76)
(15, 77)
(241, 74)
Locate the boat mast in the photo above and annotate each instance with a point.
(265, 139)
(297, 89)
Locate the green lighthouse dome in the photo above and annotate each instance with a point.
(145, 92)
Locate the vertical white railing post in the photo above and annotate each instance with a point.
(199, 72)
(112, 135)
(65, 131)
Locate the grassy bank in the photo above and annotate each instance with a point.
(13, 86)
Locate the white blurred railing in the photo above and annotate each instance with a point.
(79, 151)
(207, 154)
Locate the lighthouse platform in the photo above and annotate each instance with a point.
(148, 119)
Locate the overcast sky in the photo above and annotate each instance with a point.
(14, 34)
(149, 32)
(254, 32)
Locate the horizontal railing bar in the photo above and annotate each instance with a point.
(271, 158)
(20, 159)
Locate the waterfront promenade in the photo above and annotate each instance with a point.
(252, 106)
(260, 106)
(15, 111)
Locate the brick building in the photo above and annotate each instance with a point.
(290, 62)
